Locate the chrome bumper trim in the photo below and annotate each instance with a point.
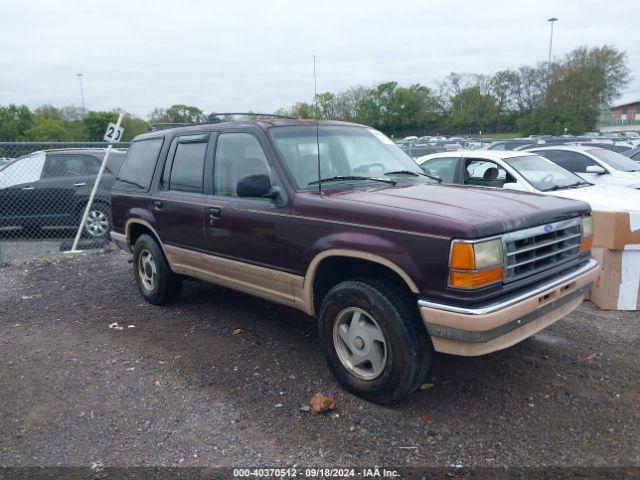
(590, 265)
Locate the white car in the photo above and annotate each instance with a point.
(596, 165)
(526, 172)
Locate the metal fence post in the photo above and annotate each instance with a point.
(93, 192)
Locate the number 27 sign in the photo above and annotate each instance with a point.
(113, 133)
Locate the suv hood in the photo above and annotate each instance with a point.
(489, 211)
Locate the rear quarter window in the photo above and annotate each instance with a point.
(138, 165)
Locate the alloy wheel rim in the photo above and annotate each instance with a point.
(147, 270)
(360, 343)
(97, 223)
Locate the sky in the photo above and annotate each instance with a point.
(246, 55)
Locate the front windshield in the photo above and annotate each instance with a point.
(616, 160)
(345, 151)
(543, 174)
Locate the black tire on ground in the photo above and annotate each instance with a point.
(407, 344)
(165, 285)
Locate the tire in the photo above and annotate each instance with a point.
(98, 225)
(405, 346)
(156, 282)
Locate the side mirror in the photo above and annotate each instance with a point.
(596, 169)
(255, 186)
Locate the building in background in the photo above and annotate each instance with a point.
(627, 113)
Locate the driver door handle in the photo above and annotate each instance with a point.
(214, 214)
(28, 188)
(79, 184)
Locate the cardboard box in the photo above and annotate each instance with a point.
(615, 230)
(618, 285)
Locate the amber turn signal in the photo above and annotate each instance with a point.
(587, 243)
(475, 279)
(463, 256)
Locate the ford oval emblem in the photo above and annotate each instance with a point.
(548, 228)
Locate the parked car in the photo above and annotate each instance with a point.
(633, 154)
(596, 165)
(619, 147)
(394, 264)
(513, 144)
(419, 150)
(526, 172)
(50, 188)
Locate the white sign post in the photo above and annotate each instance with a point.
(113, 134)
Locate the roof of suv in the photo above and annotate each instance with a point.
(263, 123)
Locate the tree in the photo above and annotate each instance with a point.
(133, 126)
(177, 114)
(586, 82)
(472, 110)
(48, 130)
(15, 120)
(95, 124)
(48, 112)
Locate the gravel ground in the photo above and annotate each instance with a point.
(182, 386)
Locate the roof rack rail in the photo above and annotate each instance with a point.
(162, 126)
(214, 117)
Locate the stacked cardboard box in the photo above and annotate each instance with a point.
(616, 246)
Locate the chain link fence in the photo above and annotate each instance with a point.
(44, 189)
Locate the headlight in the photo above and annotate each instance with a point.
(587, 234)
(475, 264)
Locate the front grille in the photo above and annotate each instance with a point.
(536, 249)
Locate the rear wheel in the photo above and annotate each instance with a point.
(373, 339)
(156, 282)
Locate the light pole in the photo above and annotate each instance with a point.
(79, 75)
(551, 20)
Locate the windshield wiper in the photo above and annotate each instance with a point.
(562, 187)
(339, 178)
(417, 174)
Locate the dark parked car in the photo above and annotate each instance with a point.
(608, 146)
(394, 264)
(513, 144)
(633, 154)
(51, 188)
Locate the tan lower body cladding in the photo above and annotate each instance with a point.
(263, 282)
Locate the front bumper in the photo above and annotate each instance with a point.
(477, 331)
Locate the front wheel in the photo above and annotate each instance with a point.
(373, 339)
(97, 226)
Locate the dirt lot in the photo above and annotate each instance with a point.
(180, 387)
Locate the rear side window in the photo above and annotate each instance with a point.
(572, 161)
(138, 166)
(187, 169)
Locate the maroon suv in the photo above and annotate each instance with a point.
(394, 264)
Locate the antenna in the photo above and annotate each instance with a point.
(315, 98)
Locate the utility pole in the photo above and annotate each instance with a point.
(551, 20)
(79, 75)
